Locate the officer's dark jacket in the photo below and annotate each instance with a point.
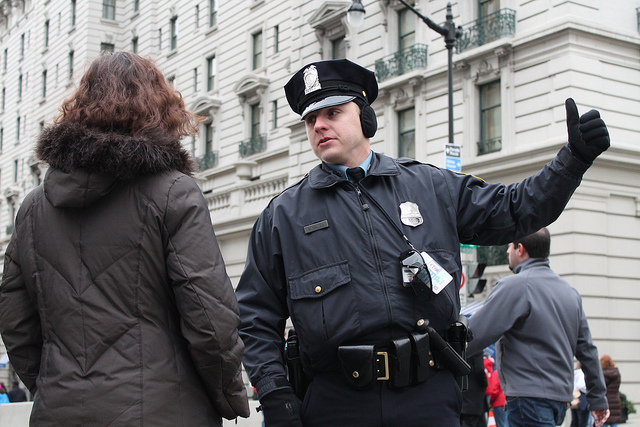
(328, 256)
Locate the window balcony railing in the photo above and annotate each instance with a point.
(253, 145)
(208, 161)
(401, 62)
(489, 146)
(482, 31)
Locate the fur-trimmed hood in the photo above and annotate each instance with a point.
(86, 163)
(70, 147)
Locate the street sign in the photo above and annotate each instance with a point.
(452, 159)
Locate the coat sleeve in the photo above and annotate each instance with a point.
(262, 296)
(205, 299)
(587, 354)
(501, 310)
(19, 318)
(493, 214)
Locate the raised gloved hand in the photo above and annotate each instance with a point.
(588, 135)
(281, 408)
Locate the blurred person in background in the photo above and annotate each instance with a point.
(612, 380)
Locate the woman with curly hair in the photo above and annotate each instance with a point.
(612, 380)
(115, 306)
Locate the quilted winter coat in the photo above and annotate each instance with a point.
(115, 306)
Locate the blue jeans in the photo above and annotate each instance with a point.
(534, 412)
(500, 416)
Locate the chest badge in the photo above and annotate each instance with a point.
(410, 214)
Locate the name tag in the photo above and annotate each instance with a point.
(440, 278)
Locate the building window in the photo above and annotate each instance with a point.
(6, 59)
(1, 139)
(134, 45)
(255, 121)
(160, 39)
(46, 33)
(276, 39)
(487, 7)
(407, 133)
(22, 46)
(338, 48)
(257, 50)
(107, 47)
(197, 13)
(208, 139)
(15, 169)
(71, 55)
(20, 87)
(17, 136)
(406, 29)
(195, 79)
(213, 13)
(109, 9)
(44, 84)
(73, 13)
(4, 97)
(274, 105)
(490, 118)
(211, 73)
(136, 5)
(174, 33)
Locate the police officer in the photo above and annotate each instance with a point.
(363, 255)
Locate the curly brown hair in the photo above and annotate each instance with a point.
(125, 92)
(606, 361)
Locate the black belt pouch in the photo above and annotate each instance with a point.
(400, 363)
(421, 356)
(358, 365)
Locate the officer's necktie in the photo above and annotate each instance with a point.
(355, 174)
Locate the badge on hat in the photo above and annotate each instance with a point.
(410, 214)
(311, 80)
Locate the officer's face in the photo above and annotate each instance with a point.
(335, 135)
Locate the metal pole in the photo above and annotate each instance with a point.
(450, 40)
(450, 34)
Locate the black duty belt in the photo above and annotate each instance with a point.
(406, 361)
(402, 362)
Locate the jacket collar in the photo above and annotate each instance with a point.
(322, 176)
(531, 263)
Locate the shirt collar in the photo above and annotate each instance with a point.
(342, 170)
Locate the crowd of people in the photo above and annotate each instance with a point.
(115, 294)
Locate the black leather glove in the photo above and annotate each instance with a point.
(588, 135)
(281, 408)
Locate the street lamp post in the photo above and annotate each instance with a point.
(355, 15)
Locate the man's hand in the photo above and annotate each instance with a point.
(600, 416)
(588, 135)
(281, 408)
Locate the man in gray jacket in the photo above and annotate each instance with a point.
(539, 321)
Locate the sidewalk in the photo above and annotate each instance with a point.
(17, 415)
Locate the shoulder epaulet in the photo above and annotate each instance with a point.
(469, 174)
(405, 161)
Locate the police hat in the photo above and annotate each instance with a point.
(327, 83)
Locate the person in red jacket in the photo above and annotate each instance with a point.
(496, 396)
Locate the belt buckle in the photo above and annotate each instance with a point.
(385, 356)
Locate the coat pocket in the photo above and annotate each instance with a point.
(323, 303)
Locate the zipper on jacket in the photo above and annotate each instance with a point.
(365, 208)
